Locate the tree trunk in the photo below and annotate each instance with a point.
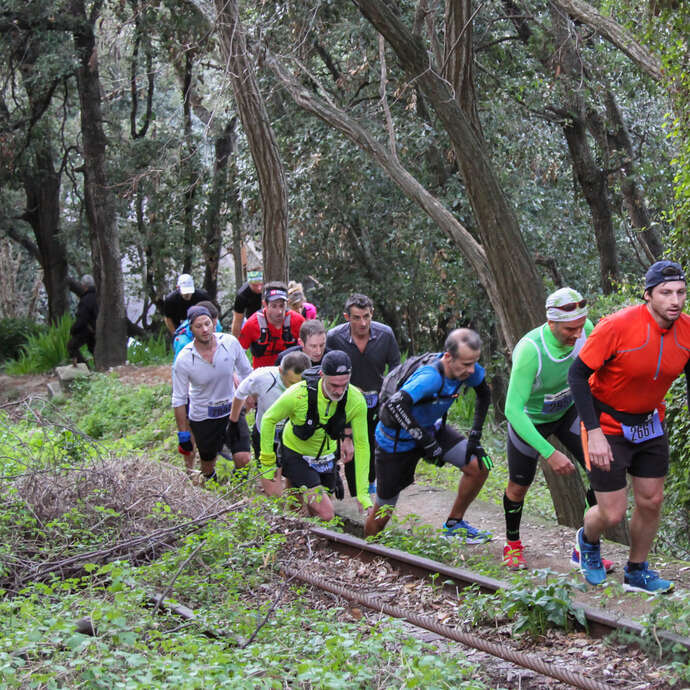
(262, 142)
(593, 178)
(190, 174)
(224, 145)
(42, 187)
(111, 327)
(458, 58)
(519, 287)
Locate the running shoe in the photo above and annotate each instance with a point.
(466, 533)
(590, 562)
(609, 566)
(645, 580)
(512, 555)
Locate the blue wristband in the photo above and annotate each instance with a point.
(183, 436)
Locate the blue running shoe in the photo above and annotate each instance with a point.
(645, 580)
(590, 559)
(466, 533)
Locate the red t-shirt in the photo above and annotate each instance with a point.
(635, 361)
(251, 334)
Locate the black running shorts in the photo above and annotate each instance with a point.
(522, 458)
(395, 471)
(648, 459)
(300, 473)
(211, 434)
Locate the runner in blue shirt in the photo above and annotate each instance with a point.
(413, 426)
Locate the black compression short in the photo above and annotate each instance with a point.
(522, 458)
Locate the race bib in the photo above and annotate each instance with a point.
(647, 430)
(321, 465)
(372, 399)
(557, 402)
(219, 409)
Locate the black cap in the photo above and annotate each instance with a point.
(335, 363)
(196, 311)
(663, 272)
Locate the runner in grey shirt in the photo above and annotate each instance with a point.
(371, 346)
(264, 386)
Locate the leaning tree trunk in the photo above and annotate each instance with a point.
(111, 327)
(517, 281)
(262, 142)
(42, 187)
(567, 492)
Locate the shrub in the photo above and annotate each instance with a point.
(44, 351)
(152, 350)
(14, 333)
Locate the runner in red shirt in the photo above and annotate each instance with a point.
(272, 329)
(618, 382)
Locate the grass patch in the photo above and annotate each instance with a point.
(152, 350)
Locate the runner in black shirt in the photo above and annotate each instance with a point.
(247, 301)
(176, 304)
(371, 346)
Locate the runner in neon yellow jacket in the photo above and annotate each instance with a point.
(310, 439)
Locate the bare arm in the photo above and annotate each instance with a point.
(236, 327)
(169, 324)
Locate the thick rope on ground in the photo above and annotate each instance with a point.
(525, 660)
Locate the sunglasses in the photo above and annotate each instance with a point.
(672, 271)
(572, 306)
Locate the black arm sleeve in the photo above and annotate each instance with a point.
(399, 406)
(578, 379)
(481, 407)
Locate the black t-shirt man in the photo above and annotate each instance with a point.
(247, 301)
(175, 305)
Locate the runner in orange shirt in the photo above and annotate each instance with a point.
(618, 381)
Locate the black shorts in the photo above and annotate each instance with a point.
(522, 458)
(395, 471)
(648, 459)
(300, 473)
(211, 435)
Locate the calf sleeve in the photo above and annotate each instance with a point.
(513, 511)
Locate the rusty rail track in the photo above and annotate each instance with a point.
(599, 622)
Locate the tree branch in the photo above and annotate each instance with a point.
(614, 33)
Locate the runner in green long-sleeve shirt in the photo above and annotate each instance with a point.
(539, 404)
(310, 439)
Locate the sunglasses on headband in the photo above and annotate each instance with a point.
(572, 306)
(672, 271)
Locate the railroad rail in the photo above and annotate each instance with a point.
(599, 622)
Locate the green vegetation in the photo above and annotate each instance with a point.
(43, 351)
(152, 350)
(248, 628)
(15, 333)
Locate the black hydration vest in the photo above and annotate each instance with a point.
(259, 347)
(335, 426)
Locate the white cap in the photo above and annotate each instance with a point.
(185, 283)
